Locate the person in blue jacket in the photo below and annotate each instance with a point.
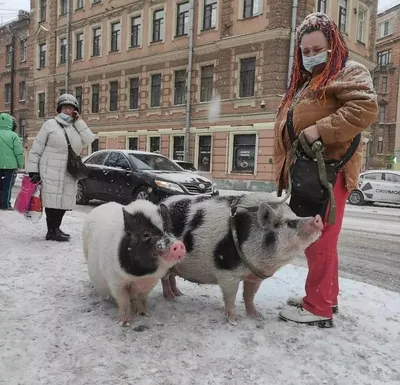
(11, 158)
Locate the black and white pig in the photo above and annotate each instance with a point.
(128, 249)
(269, 236)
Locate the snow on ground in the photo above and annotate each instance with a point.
(56, 330)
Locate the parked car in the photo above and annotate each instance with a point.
(186, 165)
(126, 175)
(380, 186)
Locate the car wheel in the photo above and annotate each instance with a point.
(356, 198)
(81, 195)
(141, 193)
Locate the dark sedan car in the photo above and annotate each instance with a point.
(127, 175)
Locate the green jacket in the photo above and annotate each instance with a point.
(11, 150)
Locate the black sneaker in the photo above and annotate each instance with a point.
(56, 236)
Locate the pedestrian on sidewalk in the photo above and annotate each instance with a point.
(47, 162)
(332, 99)
(11, 158)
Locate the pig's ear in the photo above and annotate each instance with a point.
(166, 217)
(265, 215)
(129, 222)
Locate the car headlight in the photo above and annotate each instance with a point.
(214, 187)
(168, 185)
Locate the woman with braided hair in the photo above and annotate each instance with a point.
(330, 99)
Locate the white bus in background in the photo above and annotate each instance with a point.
(377, 186)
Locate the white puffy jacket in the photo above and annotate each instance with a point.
(49, 155)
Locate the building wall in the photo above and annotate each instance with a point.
(264, 37)
(20, 28)
(386, 82)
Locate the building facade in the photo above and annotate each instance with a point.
(14, 70)
(129, 66)
(384, 146)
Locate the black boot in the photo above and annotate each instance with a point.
(60, 216)
(62, 233)
(56, 236)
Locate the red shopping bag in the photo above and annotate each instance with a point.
(24, 196)
(35, 210)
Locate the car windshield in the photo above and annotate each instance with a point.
(153, 162)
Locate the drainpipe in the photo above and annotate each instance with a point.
(295, 4)
(12, 80)
(189, 80)
(68, 61)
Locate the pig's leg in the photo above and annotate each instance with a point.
(250, 289)
(229, 290)
(141, 304)
(122, 296)
(174, 288)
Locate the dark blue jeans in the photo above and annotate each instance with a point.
(6, 182)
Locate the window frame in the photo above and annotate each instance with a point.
(160, 23)
(241, 90)
(197, 151)
(82, 46)
(232, 148)
(22, 82)
(62, 57)
(98, 41)
(130, 92)
(40, 113)
(180, 27)
(343, 13)
(136, 34)
(148, 143)
(181, 102)
(92, 98)
(151, 90)
(109, 96)
(117, 46)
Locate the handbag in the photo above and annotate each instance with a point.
(24, 196)
(311, 177)
(75, 166)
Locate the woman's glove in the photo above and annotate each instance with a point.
(35, 177)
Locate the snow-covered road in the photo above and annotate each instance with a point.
(55, 330)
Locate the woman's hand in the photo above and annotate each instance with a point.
(76, 115)
(312, 134)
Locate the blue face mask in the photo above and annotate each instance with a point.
(67, 118)
(309, 62)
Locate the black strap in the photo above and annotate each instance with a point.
(349, 153)
(65, 133)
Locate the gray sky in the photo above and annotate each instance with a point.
(9, 8)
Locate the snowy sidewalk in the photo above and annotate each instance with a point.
(54, 329)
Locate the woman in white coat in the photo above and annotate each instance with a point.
(47, 162)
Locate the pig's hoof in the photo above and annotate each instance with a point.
(232, 322)
(177, 292)
(169, 296)
(232, 319)
(124, 323)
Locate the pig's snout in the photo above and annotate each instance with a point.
(317, 222)
(176, 252)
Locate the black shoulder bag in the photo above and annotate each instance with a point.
(311, 177)
(75, 166)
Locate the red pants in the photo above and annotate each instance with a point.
(322, 285)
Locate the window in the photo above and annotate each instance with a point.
(155, 144)
(206, 83)
(247, 77)
(115, 36)
(209, 14)
(375, 83)
(79, 46)
(393, 178)
(22, 90)
(374, 176)
(42, 10)
(96, 43)
(136, 31)
(96, 1)
(204, 157)
(114, 96)
(384, 58)
(42, 55)
(385, 29)
(97, 158)
(342, 15)
(384, 84)
(244, 152)
(22, 128)
(95, 98)
(382, 114)
(79, 4)
(95, 145)
(321, 6)
(134, 94)
(182, 19)
(117, 160)
(41, 104)
(251, 8)
(62, 91)
(180, 87)
(78, 96)
(63, 50)
(8, 55)
(155, 96)
(178, 148)
(158, 25)
(23, 50)
(7, 93)
(361, 20)
(380, 145)
(63, 7)
(133, 143)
